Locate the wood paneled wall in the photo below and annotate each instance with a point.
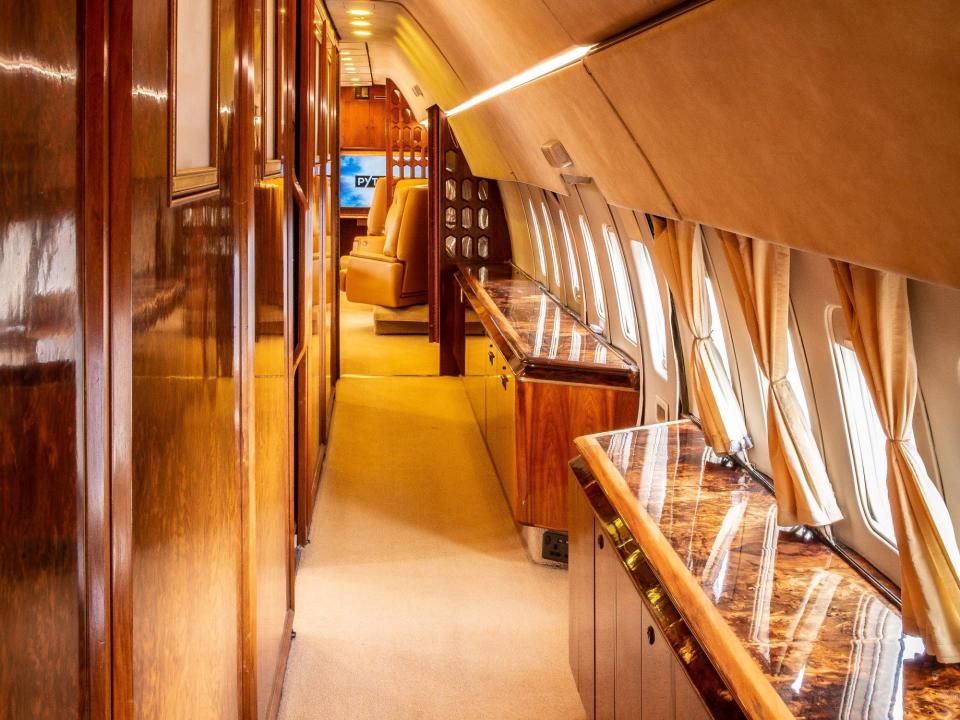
(42, 470)
(364, 122)
(146, 542)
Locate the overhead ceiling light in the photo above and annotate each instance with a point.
(360, 23)
(537, 71)
(358, 12)
(362, 33)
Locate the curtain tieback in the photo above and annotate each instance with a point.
(697, 338)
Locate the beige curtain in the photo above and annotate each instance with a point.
(761, 272)
(678, 255)
(878, 316)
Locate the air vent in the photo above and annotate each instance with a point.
(417, 92)
(556, 154)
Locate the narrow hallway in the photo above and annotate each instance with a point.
(415, 598)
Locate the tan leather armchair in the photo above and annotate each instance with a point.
(396, 275)
(376, 222)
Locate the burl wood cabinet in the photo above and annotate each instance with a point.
(532, 397)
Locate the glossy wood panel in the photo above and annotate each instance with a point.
(187, 419)
(364, 123)
(549, 417)
(42, 467)
(271, 573)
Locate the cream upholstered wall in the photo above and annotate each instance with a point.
(841, 139)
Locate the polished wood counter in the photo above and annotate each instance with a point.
(792, 628)
(538, 336)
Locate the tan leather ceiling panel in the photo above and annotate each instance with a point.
(591, 21)
(833, 127)
(489, 42)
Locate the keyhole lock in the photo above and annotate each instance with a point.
(650, 635)
(600, 541)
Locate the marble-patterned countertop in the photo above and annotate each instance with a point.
(791, 627)
(539, 331)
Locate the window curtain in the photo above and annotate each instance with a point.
(878, 316)
(678, 254)
(761, 272)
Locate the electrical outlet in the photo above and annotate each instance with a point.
(555, 546)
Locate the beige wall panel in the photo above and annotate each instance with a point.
(489, 42)
(568, 106)
(591, 21)
(480, 145)
(520, 247)
(827, 126)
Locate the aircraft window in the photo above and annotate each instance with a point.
(621, 283)
(557, 279)
(571, 257)
(541, 258)
(652, 307)
(450, 161)
(793, 378)
(865, 436)
(716, 332)
(594, 271)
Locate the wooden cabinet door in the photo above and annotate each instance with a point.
(656, 672)
(474, 380)
(631, 637)
(686, 699)
(580, 575)
(607, 569)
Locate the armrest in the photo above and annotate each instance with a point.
(379, 257)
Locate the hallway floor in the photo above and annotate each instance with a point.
(363, 352)
(415, 598)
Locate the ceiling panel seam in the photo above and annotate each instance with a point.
(639, 147)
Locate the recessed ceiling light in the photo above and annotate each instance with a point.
(360, 23)
(358, 12)
(362, 33)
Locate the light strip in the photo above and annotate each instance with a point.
(529, 75)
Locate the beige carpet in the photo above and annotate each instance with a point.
(363, 352)
(415, 598)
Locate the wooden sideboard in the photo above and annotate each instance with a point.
(536, 380)
(760, 621)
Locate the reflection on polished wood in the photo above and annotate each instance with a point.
(792, 628)
(540, 337)
(42, 478)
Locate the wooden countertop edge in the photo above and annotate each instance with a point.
(496, 323)
(733, 662)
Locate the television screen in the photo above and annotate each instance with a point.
(359, 173)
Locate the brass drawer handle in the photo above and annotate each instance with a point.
(490, 357)
(650, 636)
(600, 541)
(504, 381)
